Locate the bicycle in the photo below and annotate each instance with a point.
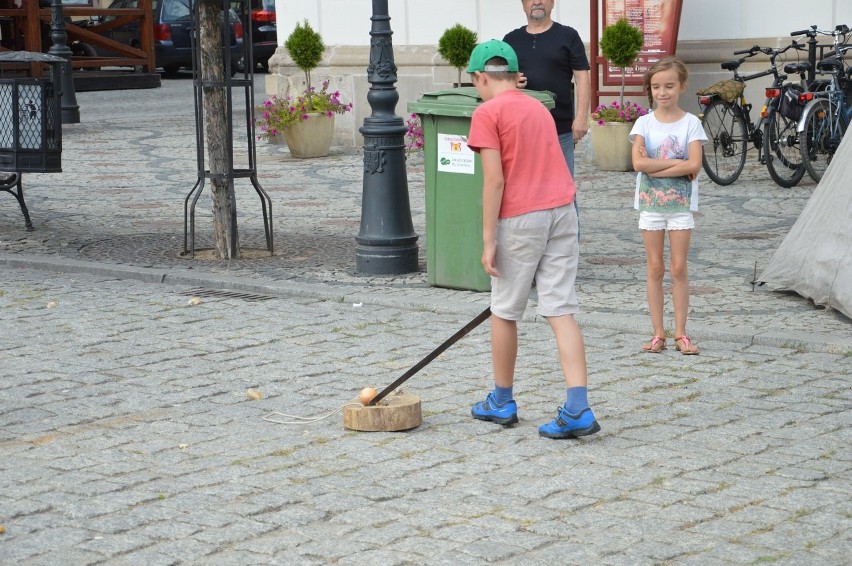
(781, 136)
(730, 129)
(828, 112)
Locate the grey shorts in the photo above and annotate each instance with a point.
(540, 246)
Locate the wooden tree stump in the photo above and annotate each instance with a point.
(393, 413)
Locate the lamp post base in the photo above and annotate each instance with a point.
(384, 260)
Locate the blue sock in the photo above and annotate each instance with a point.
(578, 400)
(502, 395)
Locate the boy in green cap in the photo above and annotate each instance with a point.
(529, 233)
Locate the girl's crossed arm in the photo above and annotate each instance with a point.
(688, 167)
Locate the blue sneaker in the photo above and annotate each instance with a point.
(489, 410)
(570, 426)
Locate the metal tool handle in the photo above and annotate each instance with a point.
(434, 354)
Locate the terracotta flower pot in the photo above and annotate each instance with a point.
(613, 150)
(311, 137)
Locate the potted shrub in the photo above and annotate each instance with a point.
(305, 47)
(620, 44)
(455, 46)
(306, 121)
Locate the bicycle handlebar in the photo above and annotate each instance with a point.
(776, 52)
(751, 51)
(840, 29)
(810, 32)
(773, 67)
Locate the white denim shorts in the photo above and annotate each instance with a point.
(666, 221)
(540, 246)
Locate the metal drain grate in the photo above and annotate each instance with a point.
(225, 294)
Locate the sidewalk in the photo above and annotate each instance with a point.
(127, 436)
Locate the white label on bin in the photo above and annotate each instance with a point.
(29, 116)
(453, 154)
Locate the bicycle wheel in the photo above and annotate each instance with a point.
(725, 151)
(781, 149)
(816, 143)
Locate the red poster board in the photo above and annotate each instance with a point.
(659, 21)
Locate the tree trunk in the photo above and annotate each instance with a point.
(216, 128)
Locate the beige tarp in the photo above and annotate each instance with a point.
(815, 258)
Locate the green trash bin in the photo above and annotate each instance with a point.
(454, 188)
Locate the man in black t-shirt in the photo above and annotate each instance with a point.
(550, 56)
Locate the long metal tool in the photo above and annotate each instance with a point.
(434, 354)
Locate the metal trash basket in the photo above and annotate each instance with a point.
(31, 117)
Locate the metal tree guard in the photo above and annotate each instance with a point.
(247, 83)
(386, 242)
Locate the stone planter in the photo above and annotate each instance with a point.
(311, 137)
(613, 150)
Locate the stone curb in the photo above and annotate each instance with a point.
(817, 343)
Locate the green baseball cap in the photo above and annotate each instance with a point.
(494, 48)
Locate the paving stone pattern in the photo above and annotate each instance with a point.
(127, 436)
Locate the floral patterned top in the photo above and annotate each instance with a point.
(667, 141)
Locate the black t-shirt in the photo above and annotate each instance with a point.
(548, 60)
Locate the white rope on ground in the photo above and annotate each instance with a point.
(270, 417)
(296, 419)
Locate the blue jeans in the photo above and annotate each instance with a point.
(566, 142)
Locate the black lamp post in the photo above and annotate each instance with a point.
(68, 101)
(386, 242)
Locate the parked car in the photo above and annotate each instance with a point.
(264, 29)
(172, 40)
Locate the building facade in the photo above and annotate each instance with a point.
(709, 33)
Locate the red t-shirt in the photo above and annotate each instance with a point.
(534, 170)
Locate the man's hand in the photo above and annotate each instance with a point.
(580, 128)
(522, 81)
(583, 89)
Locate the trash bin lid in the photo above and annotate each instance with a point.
(29, 57)
(463, 101)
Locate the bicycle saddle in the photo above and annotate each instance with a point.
(732, 65)
(831, 65)
(797, 68)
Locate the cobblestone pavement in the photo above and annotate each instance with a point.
(127, 436)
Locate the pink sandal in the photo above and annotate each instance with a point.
(688, 348)
(656, 345)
